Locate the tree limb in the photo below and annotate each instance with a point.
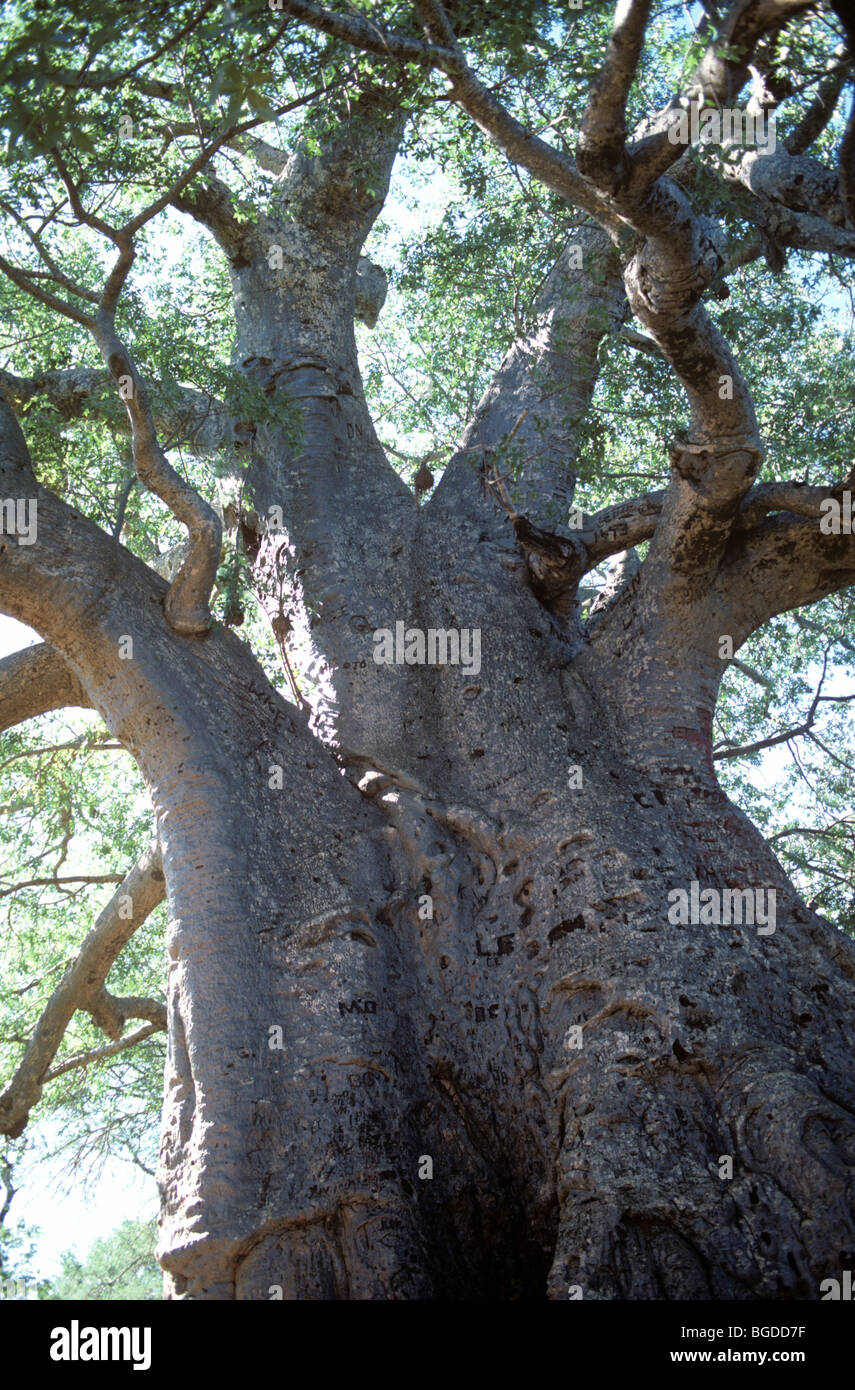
(797, 731)
(200, 422)
(368, 36)
(798, 182)
(757, 676)
(791, 564)
(547, 377)
(75, 745)
(747, 749)
(55, 880)
(821, 109)
(640, 342)
(551, 166)
(623, 525)
(99, 1054)
(34, 681)
(715, 81)
(602, 139)
(104, 80)
(796, 497)
(186, 605)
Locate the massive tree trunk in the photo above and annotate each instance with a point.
(432, 1030)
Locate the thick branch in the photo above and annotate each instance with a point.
(603, 134)
(186, 606)
(796, 497)
(623, 525)
(552, 167)
(200, 423)
(715, 462)
(798, 182)
(715, 81)
(35, 681)
(528, 421)
(557, 564)
(110, 1011)
(368, 36)
(54, 271)
(784, 562)
(51, 301)
(678, 257)
(804, 232)
(211, 204)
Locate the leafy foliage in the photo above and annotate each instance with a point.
(119, 1266)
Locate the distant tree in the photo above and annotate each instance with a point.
(120, 1265)
(17, 1243)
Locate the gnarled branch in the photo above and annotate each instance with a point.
(199, 422)
(796, 497)
(791, 562)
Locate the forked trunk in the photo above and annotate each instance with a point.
(459, 1042)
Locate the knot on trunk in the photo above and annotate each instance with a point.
(719, 471)
(555, 563)
(371, 288)
(668, 284)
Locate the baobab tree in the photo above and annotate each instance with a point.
(479, 984)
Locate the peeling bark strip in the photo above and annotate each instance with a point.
(434, 1030)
